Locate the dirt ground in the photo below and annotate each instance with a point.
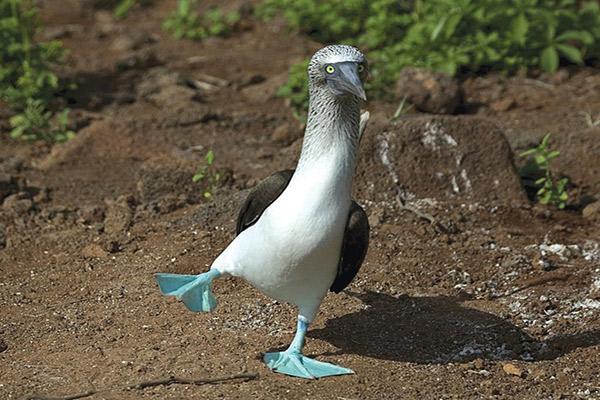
(500, 300)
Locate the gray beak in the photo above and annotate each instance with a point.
(346, 80)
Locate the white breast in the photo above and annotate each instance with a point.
(292, 252)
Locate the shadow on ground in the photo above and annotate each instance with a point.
(438, 330)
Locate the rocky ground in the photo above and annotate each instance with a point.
(499, 298)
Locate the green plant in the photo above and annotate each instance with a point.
(36, 123)
(27, 84)
(184, 22)
(123, 7)
(24, 65)
(207, 175)
(296, 88)
(402, 109)
(550, 190)
(450, 35)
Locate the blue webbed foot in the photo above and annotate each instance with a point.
(193, 290)
(293, 363)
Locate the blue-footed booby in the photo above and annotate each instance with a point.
(299, 233)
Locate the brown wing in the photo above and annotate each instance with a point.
(354, 248)
(263, 195)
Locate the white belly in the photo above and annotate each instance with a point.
(291, 254)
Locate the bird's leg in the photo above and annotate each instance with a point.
(293, 362)
(298, 341)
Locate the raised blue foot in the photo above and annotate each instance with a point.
(193, 290)
(293, 362)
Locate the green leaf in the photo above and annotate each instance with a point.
(545, 140)
(519, 28)
(438, 28)
(540, 159)
(572, 53)
(210, 157)
(528, 152)
(549, 59)
(545, 198)
(581, 36)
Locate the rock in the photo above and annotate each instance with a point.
(165, 88)
(17, 204)
(170, 203)
(432, 92)
(504, 104)
(105, 23)
(42, 195)
(514, 262)
(578, 159)
(2, 237)
(3, 346)
(376, 215)
(91, 214)
(512, 369)
(132, 41)
(172, 96)
(12, 164)
(93, 251)
(254, 79)
(8, 185)
(594, 289)
(61, 31)
(285, 134)
(437, 157)
(166, 176)
(592, 211)
(139, 60)
(119, 216)
(266, 90)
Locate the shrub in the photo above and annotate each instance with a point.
(184, 22)
(27, 83)
(450, 35)
(207, 175)
(549, 188)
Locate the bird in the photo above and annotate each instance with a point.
(299, 234)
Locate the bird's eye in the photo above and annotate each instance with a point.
(361, 68)
(330, 69)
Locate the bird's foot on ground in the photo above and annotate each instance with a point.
(295, 364)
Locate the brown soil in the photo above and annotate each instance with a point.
(502, 300)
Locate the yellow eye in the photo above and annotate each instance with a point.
(361, 68)
(330, 69)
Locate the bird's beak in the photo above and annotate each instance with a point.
(347, 81)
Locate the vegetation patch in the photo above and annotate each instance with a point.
(207, 176)
(185, 22)
(449, 36)
(27, 83)
(548, 188)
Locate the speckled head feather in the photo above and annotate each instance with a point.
(329, 55)
(333, 120)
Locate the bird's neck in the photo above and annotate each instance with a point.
(332, 133)
(323, 177)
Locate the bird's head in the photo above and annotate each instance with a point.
(340, 69)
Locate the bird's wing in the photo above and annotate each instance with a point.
(263, 195)
(354, 248)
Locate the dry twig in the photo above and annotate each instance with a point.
(146, 384)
